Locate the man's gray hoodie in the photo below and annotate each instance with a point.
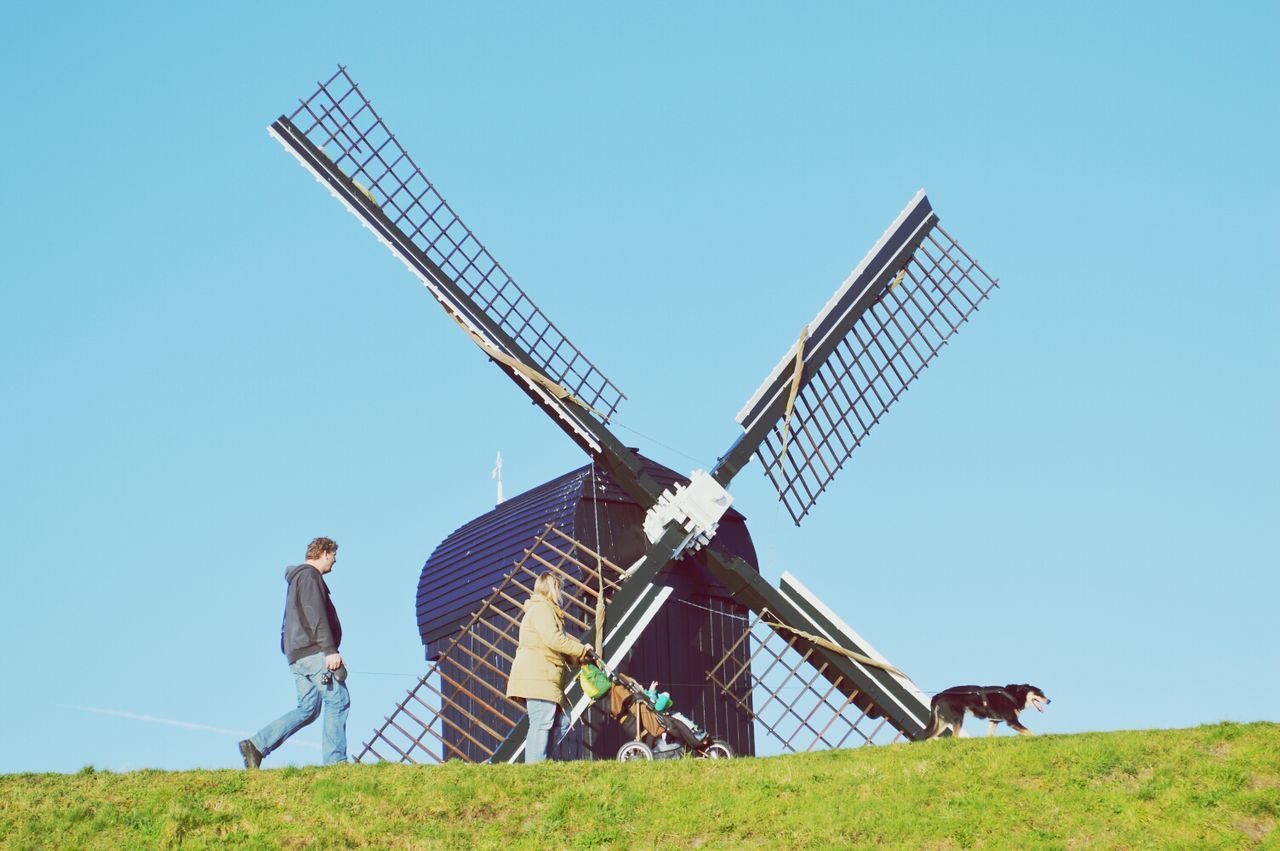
(311, 622)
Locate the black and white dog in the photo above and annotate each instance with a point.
(995, 703)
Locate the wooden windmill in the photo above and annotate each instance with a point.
(781, 660)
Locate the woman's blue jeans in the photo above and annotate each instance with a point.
(544, 717)
(311, 696)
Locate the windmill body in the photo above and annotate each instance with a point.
(686, 638)
(793, 668)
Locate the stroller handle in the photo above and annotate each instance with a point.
(593, 658)
(628, 682)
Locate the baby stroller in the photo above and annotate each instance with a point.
(660, 732)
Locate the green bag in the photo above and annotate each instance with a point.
(595, 682)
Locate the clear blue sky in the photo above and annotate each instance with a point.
(205, 362)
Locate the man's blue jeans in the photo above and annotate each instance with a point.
(544, 717)
(311, 694)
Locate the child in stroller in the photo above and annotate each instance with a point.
(660, 731)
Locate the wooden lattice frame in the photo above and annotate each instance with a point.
(795, 698)
(342, 124)
(882, 354)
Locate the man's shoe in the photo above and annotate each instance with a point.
(252, 756)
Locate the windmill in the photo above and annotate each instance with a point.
(789, 655)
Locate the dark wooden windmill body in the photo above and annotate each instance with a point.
(693, 631)
(790, 666)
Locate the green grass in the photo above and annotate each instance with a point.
(1208, 787)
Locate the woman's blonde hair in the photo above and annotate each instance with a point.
(548, 585)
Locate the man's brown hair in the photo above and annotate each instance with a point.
(320, 547)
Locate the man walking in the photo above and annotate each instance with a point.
(309, 639)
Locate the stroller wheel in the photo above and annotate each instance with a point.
(718, 749)
(634, 750)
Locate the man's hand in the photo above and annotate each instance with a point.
(333, 661)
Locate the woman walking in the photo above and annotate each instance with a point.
(540, 670)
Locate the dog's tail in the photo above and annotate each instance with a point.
(934, 728)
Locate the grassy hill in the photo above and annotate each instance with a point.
(1208, 787)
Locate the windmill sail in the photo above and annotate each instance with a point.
(336, 134)
(891, 317)
(817, 646)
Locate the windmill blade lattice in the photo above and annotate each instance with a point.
(802, 695)
(790, 698)
(806, 677)
(876, 336)
(338, 120)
